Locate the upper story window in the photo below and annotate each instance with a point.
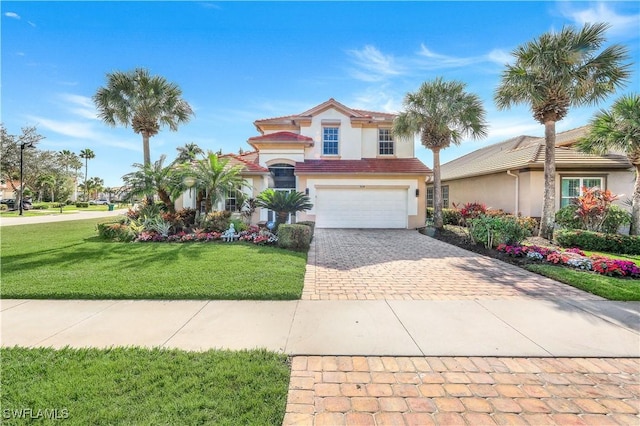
(385, 142)
(572, 187)
(283, 175)
(330, 140)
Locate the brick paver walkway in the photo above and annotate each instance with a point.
(403, 264)
(463, 390)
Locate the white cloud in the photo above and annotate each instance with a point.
(12, 15)
(74, 129)
(374, 65)
(31, 23)
(80, 105)
(377, 98)
(621, 25)
(500, 57)
(439, 61)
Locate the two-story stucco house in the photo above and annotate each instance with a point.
(345, 159)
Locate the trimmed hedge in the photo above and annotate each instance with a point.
(296, 237)
(598, 241)
(40, 206)
(81, 204)
(449, 216)
(311, 224)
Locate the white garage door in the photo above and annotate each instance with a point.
(361, 208)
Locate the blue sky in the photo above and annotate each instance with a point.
(240, 61)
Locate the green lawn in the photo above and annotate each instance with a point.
(66, 209)
(608, 287)
(632, 258)
(145, 387)
(66, 260)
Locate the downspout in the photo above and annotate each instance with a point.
(517, 210)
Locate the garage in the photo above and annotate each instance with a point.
(361, 208)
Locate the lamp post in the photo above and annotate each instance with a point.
(189, 182)
(22, 147)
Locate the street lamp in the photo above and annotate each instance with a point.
(189, 182)
(23, 145)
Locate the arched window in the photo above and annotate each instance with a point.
(283, 177)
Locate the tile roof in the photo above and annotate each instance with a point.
(366, 165)
(248, 161)
(528, 152)
(286, 137)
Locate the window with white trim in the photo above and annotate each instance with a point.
(330, 139)
(572, 187)
(385, 142)
(231, 201)
(444, 190)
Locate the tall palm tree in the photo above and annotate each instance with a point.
(142, 101)
(217, 178)
(619, 129)
(188, 153)
(283, 203)
(66, 158)
(553, 73)
(153, 179)
(95, 185)
(441, 113)
(87, 154)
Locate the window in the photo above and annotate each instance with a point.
(283, 176)
(231, 201)
(572, 187)
(445, 196)
(330, 141)
(385, 142)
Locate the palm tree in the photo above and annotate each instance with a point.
(283, 203)
(143, 102)
(66, 158)
(87, 154)
(188, 153)
(555, 72)
(441, 113)
(155, 179)
(217, 178)
(619, 129)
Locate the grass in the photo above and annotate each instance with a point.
(145, 386)
(65, 210)
(632, 258)
(608, 287)
(66, 260)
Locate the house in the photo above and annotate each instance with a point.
(345, 160)
(510, 175)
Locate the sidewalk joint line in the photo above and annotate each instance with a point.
(185, 323)
(79, 322)
(478, 301)
(14, 306)
(404, 327)
(293, 319)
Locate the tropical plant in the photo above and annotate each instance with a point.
(592, 207)
(283, 203)
(217, 178)
(142, 101)
(156, 178)
(187, 153)
(619, 129)
(553, 73)
(441, 113)
(87, 154)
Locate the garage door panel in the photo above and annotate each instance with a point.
(361, 208)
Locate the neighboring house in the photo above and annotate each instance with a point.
(510, 175)
(345, 159)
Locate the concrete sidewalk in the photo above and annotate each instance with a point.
(28, 220)
(526, 328)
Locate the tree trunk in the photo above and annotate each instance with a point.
(167, 201)
(635, 205)
(86, 176)
(281, 217)
(438, 222)
(547, 220)
(146, 157)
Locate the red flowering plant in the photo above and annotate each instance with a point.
(606, 266)
(593, 206)
(556, 257)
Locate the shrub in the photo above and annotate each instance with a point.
(296, 237)
(472, 211)
(186, 216)
(4, 207)
(57, 205)
(82, 205)
(492, 231)
(311, 224)
(592, 207)
(597, 241)
(216, 221)
(566, 217)
(616, 217)
(115, 232)
(239, 225)
(40, 206)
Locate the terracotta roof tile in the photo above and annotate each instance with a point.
(366, 165)
(244, 160)
(281, 137)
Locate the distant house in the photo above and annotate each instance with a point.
(345, 159)
(510, 175)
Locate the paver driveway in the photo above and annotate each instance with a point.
(361, 264)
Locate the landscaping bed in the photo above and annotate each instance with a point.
(143, 386)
